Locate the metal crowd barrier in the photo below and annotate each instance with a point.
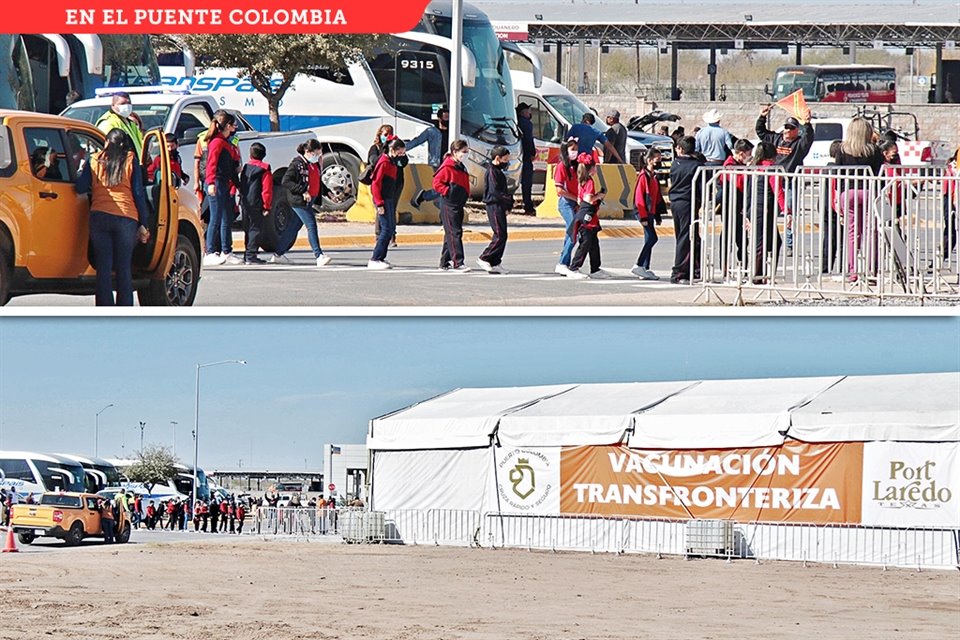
(854, 233)
(913, 547)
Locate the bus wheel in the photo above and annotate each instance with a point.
(338, 177)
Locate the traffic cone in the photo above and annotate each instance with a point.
(11, 546)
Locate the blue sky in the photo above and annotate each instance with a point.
(311, 381)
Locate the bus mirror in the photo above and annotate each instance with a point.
(189, 63)
(468, 68)
(531, 56)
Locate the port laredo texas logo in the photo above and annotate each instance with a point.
(910, 486)
(524, 479)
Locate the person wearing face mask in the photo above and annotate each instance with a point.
(377, 149)
(221, 179)
(302, 184)
(565, 177)
(386, 187)
(452, 182)
(498, 201)
(119, 117)
(650, 208)
(741, 157)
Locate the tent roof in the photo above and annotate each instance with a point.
(691, 414)
(919, 407)
(725, 413)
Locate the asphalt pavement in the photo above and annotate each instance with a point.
(416, 281)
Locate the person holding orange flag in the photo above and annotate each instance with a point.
(792, 144)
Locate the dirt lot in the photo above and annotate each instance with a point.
(282, 590)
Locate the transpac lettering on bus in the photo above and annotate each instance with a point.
(214, 83)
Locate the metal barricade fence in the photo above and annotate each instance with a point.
(913, 547)
(846, 232)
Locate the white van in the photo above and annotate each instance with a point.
(27, 472)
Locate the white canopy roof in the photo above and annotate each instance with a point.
(585, 414)
(725, 413)
(679, 415)
(460, 419)
(917, 407)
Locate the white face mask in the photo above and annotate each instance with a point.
(572, 154)
(124, 110)
(313, 158)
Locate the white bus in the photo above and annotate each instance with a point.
(99, 474)
(404, 83)
(27, 472)
(38, 71)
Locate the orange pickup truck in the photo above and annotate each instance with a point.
(68, 516)
(44, 233)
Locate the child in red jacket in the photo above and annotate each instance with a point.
(650, 208)
(176, 168)
(587, 225)
(452, 182)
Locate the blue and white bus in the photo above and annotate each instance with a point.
(403, 84)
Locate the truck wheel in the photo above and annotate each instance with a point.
(75, 535)
(338, 177)
(124, 536)
(179, 287)
(25, 538)
(280, 216)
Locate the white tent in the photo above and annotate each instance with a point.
(513, 464)
(442, 453)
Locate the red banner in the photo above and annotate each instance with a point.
(213, 16)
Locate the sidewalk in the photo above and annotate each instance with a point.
(520, 228)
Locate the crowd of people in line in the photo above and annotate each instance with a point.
(228, 183)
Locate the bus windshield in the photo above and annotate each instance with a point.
(487, 112)
(787, 82)
(16, 83)
(129, 61)
(61, 476)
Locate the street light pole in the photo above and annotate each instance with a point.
(196, 421)
(174, 423)
(96, 431)
(143, 425)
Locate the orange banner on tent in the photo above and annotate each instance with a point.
(796, 482)
(794, 104)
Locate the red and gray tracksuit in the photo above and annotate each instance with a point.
(453, 184)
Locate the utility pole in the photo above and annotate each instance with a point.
(143, 425)
(174, 423)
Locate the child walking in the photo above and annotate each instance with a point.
(498, 202)
(587, 225)
(256, 198)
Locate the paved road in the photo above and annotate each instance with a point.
(416, 281)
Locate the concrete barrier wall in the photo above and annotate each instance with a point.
(937, 121)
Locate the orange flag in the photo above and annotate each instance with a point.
(794, 104)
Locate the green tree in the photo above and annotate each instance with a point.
(155, 465)
(272, 61)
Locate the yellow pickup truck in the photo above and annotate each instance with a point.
(68, 516)
(44, 223)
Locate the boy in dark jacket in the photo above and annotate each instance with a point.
(256, 198)
(498, 202)
(176, 166)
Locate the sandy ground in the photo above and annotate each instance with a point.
(246, 590)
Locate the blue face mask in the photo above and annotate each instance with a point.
(383, 139)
